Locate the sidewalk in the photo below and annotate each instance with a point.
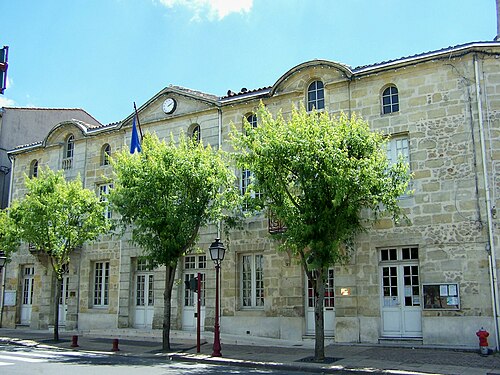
(341, 359)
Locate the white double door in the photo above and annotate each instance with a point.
(63, 300)
(191, 302)
(401, 302)
(328, 309)
(28, 285)
(144, 300)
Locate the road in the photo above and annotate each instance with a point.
(20, 360)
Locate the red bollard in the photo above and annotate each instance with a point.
(74, 341)
(115, 346)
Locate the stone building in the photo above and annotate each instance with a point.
(28, 125)
(433, 282)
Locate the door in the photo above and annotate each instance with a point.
(28, 283)
(144, 296)
(193, 265)
(328, 310)
(400, 284)
(63, 300)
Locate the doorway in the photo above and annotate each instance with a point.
(328, 309)
(193, 265)
(400, 292)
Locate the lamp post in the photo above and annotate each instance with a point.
(217, 252)
(3, 260)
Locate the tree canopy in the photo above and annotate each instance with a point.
(165, 194)
(324, 177)
(55, 217)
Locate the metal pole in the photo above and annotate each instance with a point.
(198, 315)
(217, 346)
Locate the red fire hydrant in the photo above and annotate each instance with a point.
(483, 340)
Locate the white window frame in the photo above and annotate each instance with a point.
(246, 178)
(105, 154)
(101, 284)
(34, 168)
(399, 145)
(103, 191)
(252, 281)
(392, 94)
(313, 90)
(69, 151)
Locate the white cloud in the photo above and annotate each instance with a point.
(214, 9)
(6, 102)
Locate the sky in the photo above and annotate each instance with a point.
(104, 55)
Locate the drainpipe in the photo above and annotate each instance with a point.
(491, 240)
(219, 115)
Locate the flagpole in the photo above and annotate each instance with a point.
(138, 122)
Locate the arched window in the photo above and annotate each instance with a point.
(316, 96)
(390, 100)
(105, 154)
(69, 149)
(196, 133)
(34, 169)
(252, 120)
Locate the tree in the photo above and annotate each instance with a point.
(323, 177)
(56, 217)
(166, 193)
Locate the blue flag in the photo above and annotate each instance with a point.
(135, 143)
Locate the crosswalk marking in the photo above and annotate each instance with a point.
(22, 359)
(9, 358)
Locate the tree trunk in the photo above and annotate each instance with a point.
(319, 319)
(167, 302)
(57, 296)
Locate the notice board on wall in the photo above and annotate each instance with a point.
(443, 296)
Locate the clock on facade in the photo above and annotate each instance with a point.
(169, 105)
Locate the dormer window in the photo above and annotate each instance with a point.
(316, 96)
(105, 154)
(69, 149)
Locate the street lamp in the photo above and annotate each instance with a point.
(3, 260)
(217, 252)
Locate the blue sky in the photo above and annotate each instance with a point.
(102, 55)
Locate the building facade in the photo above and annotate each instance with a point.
(28, 125)
(434, 281)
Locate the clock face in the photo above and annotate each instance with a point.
(169, 105)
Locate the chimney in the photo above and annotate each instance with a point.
(497, 38)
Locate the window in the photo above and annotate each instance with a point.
(400, 276)
(105, 154)
(252, 120)
(34, 169)
(194, 265)
(196, 133)
(316, 96)
(69, 149)
(252, 281)
(396, 147)
(101, 284)
(245, 182)
(329, 300)
(390, 100)
(104, 190)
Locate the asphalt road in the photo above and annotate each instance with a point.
(18, 360)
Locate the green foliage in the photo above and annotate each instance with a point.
(168, 191)
(317, 174)
(9, 238)
(58, 216)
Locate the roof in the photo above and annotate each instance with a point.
(53, 110)
(363, 69)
